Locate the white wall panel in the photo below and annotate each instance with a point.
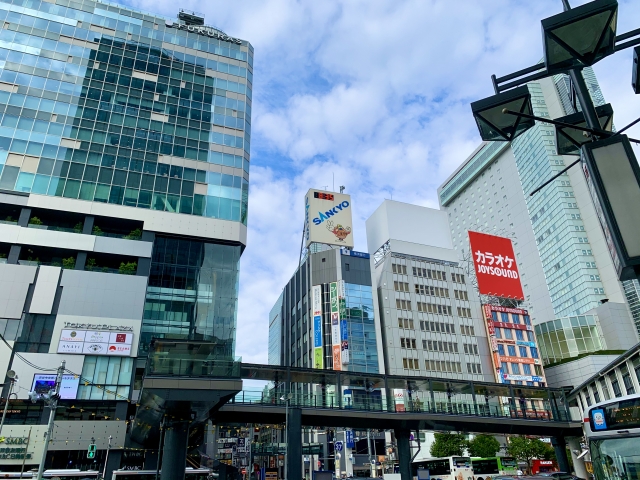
(45, 290)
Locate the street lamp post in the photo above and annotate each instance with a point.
(11, 375)
(286, 399)
(574, 39)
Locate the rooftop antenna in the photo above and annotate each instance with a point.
(326, 187)
(333, 176)
(341, 187)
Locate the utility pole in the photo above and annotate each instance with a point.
(371, 464)
(12, 379)
(51, 399)
(104, 470)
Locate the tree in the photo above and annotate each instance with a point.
(448, 444)
(484, 446)
(526, 449)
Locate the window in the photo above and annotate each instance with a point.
(405, 323)
(501, 349)
(596, 394)
(527, 320)
(410, 363)
(434, 308)
(515, 369)
(464, 312)
(409, 343)
(437, 327)
(523, 351)
(461, 295)
(526, 369)
(505, 317)
(346, 267)
(403, 304)
(512, 350)
(530, 336)
(443, 366)
(113, 374)
(519, 335)
(457, 278)
(534, 352)
(615, 385)
(470, 349)
(430, 290)
(605, 389)
(626, 379)
(401, 286)
(516, 318)
(399, 269)
(508, 334)
(467, 330)
(498, 333)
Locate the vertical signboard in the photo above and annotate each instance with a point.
(335, 326)
(328, 218)
(344, 330)
(495, 266)
(318, 355)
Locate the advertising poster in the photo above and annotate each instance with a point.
(90, 342)
(336, 343)
(344, 329)
(328, 218)
(495, 266)
(68, 388)
(316, 305)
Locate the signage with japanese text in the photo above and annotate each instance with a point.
(94, 342)
(495, 266)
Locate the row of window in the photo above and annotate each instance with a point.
(439, 346)
(515, 318)
(401, 286)
(522, 350)
(434, 308)
(409, 343)
(440, 327)
(431, 290)
(470, 348)
(464, 312)
(474, 368)
(428, 273)
(405, 323)
(460, 295)
(507, 334)
(443, 366)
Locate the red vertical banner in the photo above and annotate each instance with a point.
(495, 266)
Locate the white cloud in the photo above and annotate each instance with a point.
(375, 94)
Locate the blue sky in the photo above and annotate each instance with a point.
(376, 95)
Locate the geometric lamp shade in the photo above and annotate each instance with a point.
(494, 124)
(570, 140)
(581, 36)
(613, 180)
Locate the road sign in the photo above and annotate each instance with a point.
(338, 446)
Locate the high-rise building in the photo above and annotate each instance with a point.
(565, 266)
(275, 332)
(124, 169)
(430, 316)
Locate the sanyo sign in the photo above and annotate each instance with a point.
(328, 218)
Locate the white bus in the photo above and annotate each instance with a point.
(190, 474)
(445, 468)
(612, 429)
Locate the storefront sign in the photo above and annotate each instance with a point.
(94, 342)
(94, 326)
(514, 326)
(204, 30)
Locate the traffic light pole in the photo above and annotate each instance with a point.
(53, 404)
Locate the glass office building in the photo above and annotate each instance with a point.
(103, 104)
(124, 175)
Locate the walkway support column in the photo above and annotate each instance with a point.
(294, 444)
(404, 452)
(176, 438)
(578, 463)
(560, 447)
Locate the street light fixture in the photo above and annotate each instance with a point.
(613, 178)
(581, 36)
(286, 398)
(570, 140)
(493, 124)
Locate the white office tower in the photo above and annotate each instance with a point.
(572, 293)
(430, 316)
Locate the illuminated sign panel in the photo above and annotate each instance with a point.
(495, 266)
(316, 298)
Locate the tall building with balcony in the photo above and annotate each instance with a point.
(565, 266)
(124, 173)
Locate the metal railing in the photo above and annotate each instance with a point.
(381, 404)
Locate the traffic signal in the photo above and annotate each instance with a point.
(91, 452)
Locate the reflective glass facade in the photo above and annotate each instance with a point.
(569, 337)
(363, 351)
(192, 293)
(106, 104)
(569, 266)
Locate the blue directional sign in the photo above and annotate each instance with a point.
(338, 446)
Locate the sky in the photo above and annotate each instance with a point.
(373, 95)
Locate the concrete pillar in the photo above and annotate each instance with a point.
(174, 451)
(560, 447)
(294, 444)
(14, 254)
(404, 453)
(115, 456)
(23, 220)
(87, 226)
(578, 463)
(81, 260)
